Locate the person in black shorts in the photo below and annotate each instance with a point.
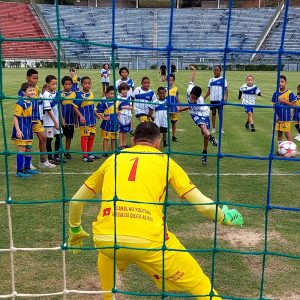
(163, 72)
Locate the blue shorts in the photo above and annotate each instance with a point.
(248, 109)
(124, 128)
(201, 121)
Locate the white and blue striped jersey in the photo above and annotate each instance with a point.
(130, 83)
(197, 110)
(50, 104)
(125, 114)
(144, 99)
(216, 88)
(105, 77)
(161, 112)
(249, 94)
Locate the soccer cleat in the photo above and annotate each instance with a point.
(165, 144)
(131, 133)
(87, 159)
(213, 141)
(31, 172)
(105, 155)
(58, 161)
(32, 167)
(247, 126)
(204, 160)
(47, 164)
(23, 175)
(67, 155)
(297, 137)
(252, 128)
(122, 147)
(92, 156)
(213, 130)
(222, 131)
(174, 139)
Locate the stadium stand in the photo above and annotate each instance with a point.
(17, 20)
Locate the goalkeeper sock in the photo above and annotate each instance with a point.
(27, 162)
(84, 142)
(20, 162)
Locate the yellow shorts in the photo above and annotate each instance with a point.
(109, 135)
(174, 116)
(182, 271)
(283, 126)
(144, 119)
(23, 143)
(87, 130)
(37, 126)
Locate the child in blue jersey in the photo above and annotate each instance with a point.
(68, 113)
(215, 93)
(296, 114)
(76, 80)
(104, 73)
(200, 115)
(22, 131)
(124, 73)
(125, 113)
(143, 98)
(85, 110)
(108, 112)
(283, 99)
(248, 93)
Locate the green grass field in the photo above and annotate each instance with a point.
(242, 181)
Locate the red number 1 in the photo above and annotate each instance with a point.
(132, 173)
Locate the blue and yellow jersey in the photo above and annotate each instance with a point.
(76, 82)
(23, 111)
(282, 110)
(36, 104)
(172, 95)
(140, 213)
(173, 91)
(84, 102)
(67, 107)
(109, 108)
(296, 115)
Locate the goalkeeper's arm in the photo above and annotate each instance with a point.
(208, 208)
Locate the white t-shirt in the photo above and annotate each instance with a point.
(216, 88)
(125, 114)
(161, 112)
(144, 99)
(249, 94)
(203, 110)
(50, 103)
(105, 77)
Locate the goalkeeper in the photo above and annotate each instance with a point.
(132, 208)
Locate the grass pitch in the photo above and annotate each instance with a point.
(242, 182)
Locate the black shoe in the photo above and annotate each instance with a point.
(67, 155)
(104, 155)
(213, 141)
(247, 126)
(93, 156)
(165, 144)
(87, 159)
(174, 139)
(252, 128)
(131, 133)
(204, 160)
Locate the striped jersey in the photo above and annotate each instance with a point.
(283, 111)
(161, 112)
(84, 102)
(216, 88)
(129, 81)
(50, 104)
(198, 109)
(144, 99)
(23, 112)
(249, 94)
(105, 77)
(37, 104)
(76, 83)
(109, 108)
(125, 114)
(67, 107)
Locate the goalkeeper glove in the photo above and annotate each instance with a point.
(231, 216)
(76, 236)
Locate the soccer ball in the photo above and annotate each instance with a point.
(287, 149)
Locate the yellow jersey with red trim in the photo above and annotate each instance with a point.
(137, 185)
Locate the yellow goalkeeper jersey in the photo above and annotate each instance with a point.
(139, 184)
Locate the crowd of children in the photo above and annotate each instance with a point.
(50, 115)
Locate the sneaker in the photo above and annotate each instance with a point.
(204, 160)
(222, 131)
(32, 167)
(105, 155)
(31, 172)
(247, 126)
(297, 137)
(252, 128)
(174, 139)
(92, 156)
(87, 159)
(67, 155)
(47, 164)
(213, 141)
(122, 147)
(23, 175)
(213, 130)
(58, 161)
(165, 144)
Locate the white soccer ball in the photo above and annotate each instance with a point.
(287, 149)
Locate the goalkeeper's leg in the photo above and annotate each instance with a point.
(204, 288)
(106, 274)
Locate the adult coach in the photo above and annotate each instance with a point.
(139, 190)
(163, 72)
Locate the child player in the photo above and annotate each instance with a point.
(76, 80)
(199, 114)
(172, 93)
(37, 115)
(125, 116)
(124, 73)
(215, 93)
(85, 111)
(108, 112)
(296, 113)
(68, 113)
(283, 99)
(248, 93)
(143, 98)
(22, 131)
(104, 77)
